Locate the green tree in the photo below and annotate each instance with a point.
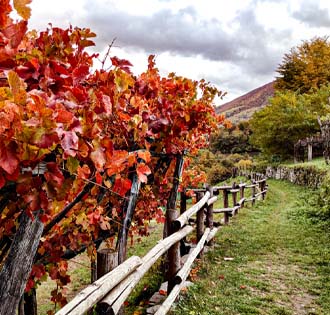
(305, 67)
(289, 117)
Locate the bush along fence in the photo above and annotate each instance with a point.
(110, 291)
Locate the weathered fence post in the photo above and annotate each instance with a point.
(107, 260)
(183, 201)
(209, 214)
(253, 192)
(30, 303)
(263, 190)
(18, 264)
(173, 255)
(234, 192)
(225, 205)
(241, 193)
(309, 149)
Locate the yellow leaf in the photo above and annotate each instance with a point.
(21, 6)
(5, 93)
(14, 82)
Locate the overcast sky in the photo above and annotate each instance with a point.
(235, 44)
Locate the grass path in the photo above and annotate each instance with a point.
(269, 260)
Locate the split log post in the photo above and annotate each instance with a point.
(209, 215)
(234, 195)
(18, 264)
(263, 189)
(30, 302)
(173, 255)
(225, 205)
(183, 201)
(241, 193)
(309, 150)
(107, 260)
(253, 190)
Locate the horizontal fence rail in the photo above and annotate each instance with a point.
(110, 292)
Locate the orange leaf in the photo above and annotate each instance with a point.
(162, 292)
(22, 9)
(143, 171)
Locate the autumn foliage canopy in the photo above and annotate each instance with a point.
(65, 127)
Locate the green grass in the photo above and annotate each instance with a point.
(80, 272)
(317, 162)
(281, 263)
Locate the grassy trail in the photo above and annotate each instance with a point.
(269, 260)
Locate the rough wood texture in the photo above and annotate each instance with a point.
(225, 205)
(241, 193)
(183, 219)
(183, 201)
(30, 303)
(107, 260)
(173, 255)
(114, 300)
(234, 195)
(18, 264)
(184, 271)
(88, 297)
(128, 209)
(253, 193)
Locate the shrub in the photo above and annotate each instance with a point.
(218, 173)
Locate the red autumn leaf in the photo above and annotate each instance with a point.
(64, 116)
(54, 175)
(69, 143)
(98, 178)
(122, 64)
(143, 171)
(38, 271)
(94, 217)
(15, 32)
(29, 285)
(47, 140)
(80, 74)
(8, 159)
(83, 172)
(122, 186)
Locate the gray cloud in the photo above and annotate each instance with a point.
(312, 15)
(185, 34)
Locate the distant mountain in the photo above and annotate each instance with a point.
(243, 107)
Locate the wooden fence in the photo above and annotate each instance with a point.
(110, 291)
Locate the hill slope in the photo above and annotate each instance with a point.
(244, 106)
